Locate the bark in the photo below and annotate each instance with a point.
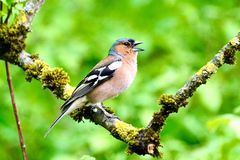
(139, 140)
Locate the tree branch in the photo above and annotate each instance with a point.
(146, 140)
(140, 140)
(15, 111)
(25, 18)
(171, 103)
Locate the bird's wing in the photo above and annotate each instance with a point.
(102, 72)
(99, 74)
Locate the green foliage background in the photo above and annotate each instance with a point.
(179, 37)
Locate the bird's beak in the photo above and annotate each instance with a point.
(137, 43)
(137, 49)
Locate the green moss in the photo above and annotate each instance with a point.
(171, 102)
(68, 90)
(229, 56)
(145, 142)
(140, 141)
(209, 67)
(34, 56)
(126, 132)
(151, 136)
(54, 79)
(35, 70)
(235, 41)
(166, 99)
(12, 42)
(79, 114)
(158, 120)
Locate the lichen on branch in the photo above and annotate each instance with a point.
(171, 103)
(140, 140)
(54, 79)
(12, 42)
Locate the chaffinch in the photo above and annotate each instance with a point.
(107, 79)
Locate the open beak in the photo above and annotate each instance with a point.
(137, 49)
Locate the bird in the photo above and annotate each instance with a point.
(108, 78)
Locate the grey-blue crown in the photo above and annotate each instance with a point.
(123, 39)
(112, 49)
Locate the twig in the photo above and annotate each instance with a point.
(22, 144)
(146, 141)
(171, 103)
(139, 140)
(29, 11)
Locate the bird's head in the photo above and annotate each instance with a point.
(125, 46)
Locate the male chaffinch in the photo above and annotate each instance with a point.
(107, 79)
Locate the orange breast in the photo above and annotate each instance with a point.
(121, 79)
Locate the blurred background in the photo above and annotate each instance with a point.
(179, 37)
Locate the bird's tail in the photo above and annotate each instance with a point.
(54, 123)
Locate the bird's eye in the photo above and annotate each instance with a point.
(126, 43)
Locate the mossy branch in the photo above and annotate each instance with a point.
(171, 103)
(140, 140)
